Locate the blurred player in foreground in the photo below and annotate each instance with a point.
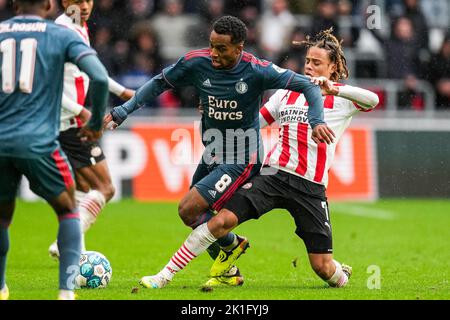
(296, 176)
(93, 180)
(33, 52)
(231, 83)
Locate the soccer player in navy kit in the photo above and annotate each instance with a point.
(33, 52)
(230, 83)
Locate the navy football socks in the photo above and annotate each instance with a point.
(4, 247)
(69, 245)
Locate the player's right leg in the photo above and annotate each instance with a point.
(9, 183)
(51, 178)
(196, 243)
(330, 270)
(216, 189)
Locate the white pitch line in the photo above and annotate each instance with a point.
(361, 211)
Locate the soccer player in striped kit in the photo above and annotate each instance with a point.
(230, 83)
(296, 173)
(93, 180)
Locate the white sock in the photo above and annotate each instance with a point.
(66, 295)
(339, 278)
(196, 243)
(90, 206)
(79, 196)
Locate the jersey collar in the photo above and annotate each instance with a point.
(28, 16)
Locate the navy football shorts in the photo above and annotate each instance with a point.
(49, 175)
(217, 182)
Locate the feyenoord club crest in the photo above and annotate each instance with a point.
(241, 87)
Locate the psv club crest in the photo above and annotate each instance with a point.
(241, 87)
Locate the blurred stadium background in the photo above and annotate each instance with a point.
(400, 49)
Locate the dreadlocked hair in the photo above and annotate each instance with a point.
(326, 40)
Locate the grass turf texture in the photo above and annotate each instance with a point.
(407, 240)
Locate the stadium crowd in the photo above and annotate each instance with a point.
(409, 42)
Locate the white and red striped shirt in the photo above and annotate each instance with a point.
(296, 152)
(76, 82)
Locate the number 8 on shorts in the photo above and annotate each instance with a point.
(223, 183)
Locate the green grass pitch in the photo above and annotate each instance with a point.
(407, 240)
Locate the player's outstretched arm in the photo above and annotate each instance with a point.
(75, 109)
(119, 90)
(365, 99)
(147, 92)
(98, 76)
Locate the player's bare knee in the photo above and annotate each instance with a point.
(184, 213)
(230, 219)
(216, 226)
(221, 224)
(108, 191)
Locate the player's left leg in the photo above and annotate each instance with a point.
(311, 215)
(195, 201)
(203, 170)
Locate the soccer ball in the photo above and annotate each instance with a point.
(95, 271)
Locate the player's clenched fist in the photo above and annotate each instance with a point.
(85, 115)
(327, 86)
(108, 122)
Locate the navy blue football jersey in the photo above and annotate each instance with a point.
(32, 54)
